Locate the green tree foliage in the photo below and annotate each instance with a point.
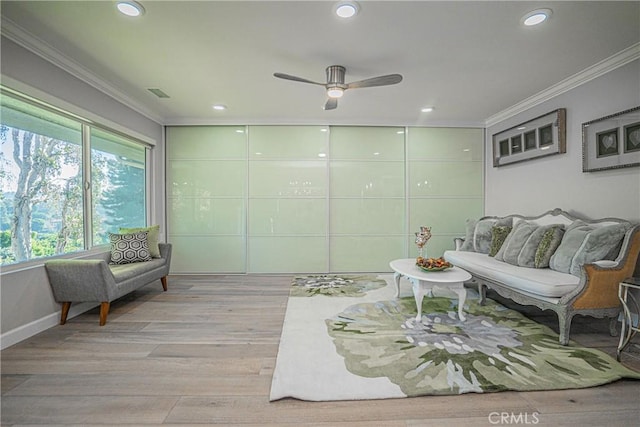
(37, 203)
(123, 201)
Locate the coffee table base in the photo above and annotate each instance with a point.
(423, 287)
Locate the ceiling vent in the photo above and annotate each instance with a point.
(158, 92)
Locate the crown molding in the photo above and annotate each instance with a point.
(20, 36)
(17, 34)
(603, 67)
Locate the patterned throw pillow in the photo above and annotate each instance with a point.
(548, 245)
(128, 248)
(498, 236)
(154, 232)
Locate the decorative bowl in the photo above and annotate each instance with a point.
(430, 269)
(433, 264)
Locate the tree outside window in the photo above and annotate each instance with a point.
(41, 183)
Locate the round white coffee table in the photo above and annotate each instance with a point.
(424, 281)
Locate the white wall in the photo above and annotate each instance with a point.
(535, 186)
(27, 302)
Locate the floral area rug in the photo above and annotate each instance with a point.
(348, 337)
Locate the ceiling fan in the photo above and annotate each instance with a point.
(336, 86)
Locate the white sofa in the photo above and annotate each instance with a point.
(586, 261)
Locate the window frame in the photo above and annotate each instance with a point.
(86, 125)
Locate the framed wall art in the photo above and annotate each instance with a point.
(611, 142)
(540, 137)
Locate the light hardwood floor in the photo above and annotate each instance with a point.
(203, 353)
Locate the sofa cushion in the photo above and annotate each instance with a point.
(571, 242)
(478, 233)
(543, 282)
(154, 237)
(515, 242)
(482, 235)
(597, 245)
(527, 255)
(470, 228)
(128, 248)
(498, 236)
(548, 245)
(124, 272)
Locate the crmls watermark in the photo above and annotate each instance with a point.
(505, 418)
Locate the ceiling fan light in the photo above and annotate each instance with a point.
(346, 9)
(130, 8)
(335, 92)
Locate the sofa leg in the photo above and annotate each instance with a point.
(104, 311)
(164, 283)
(482, 290)
(564, 327)
(613, 326)
(65, 312)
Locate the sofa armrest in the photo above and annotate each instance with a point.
(601, 280)
(165, 251)
(81, 280)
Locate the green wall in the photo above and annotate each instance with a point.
(304, 199)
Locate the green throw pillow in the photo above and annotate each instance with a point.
(548, 245)
(498, 236)
(153, 231)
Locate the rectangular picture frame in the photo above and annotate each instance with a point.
(539, 137)
(632, 138)
(607, 143)
(611, 142)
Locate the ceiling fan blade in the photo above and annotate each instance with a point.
(331, 104)
(390, 79)
(295, 79)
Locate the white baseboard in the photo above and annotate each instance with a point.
(23, 332)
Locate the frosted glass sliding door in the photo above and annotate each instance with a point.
(367, 198)
(316, 199)
(445, 183)
(206, 198)
(287, 199)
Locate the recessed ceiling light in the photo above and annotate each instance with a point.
(219, 107)
(130, 8)
(427, 109)
(536, 17)
(346, 9)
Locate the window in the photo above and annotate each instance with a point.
(117, 184)
(42, 169)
